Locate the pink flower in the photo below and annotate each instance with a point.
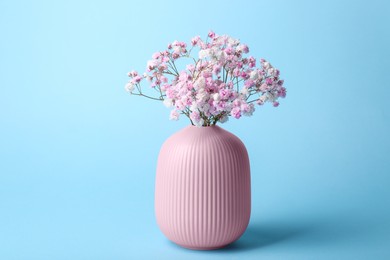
(165, 58)
(207, 74)
(180, 104)
(265, 64)
(243, 48)
(229, 51)
(163, 79)
(282, 92)
(170, 93)
(132, 74)
(244, 75)
(137, 79)
(175, 55)
(251, 62)
(164, 87)
(249, 83)
(195, 40)
(182, 45)
(224, 94)
(221, 81)
(236, 72)
(236, 112)
(247, 109)
(190, 67)
(264, 87)
(269, 81)
(187, 101)
(196, 119)
(260, 102)
(211, 34)
(156, 55)
(217, 69)
(183, 76)
(152, 64)
(162, 67)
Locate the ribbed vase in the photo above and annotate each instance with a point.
(203, 195)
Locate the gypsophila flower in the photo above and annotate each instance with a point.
(220, 81)
(129, 87)
(174, 115)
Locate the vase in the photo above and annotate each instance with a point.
(202, 192)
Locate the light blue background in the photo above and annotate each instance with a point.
(78, 154)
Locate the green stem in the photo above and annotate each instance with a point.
(140, 94)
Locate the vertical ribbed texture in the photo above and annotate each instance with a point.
(203, 196)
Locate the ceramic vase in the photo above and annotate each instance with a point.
(203, 192)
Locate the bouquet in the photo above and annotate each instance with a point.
(221, 81)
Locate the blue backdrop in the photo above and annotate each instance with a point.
(78, 154)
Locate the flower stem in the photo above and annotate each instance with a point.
(140, 94)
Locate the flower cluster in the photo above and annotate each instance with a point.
(222, 81)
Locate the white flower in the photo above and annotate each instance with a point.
(220, 56)
(271, 71)
(266, 65)
(194, 107)
(174, 115)
(244, 91)
(254, 75)
(168, 102)
(203, 54)
(216, 97)
(239, 47)
(198, 123)
(270, 97)
(129, 87)
(200, 83)
(233, 42)
(205, 108)
(202, 95)
(263, 98)
(177, 49)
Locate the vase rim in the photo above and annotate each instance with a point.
(203, 127)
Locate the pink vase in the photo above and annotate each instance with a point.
(203, 195)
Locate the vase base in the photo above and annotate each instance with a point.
(203, 248)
